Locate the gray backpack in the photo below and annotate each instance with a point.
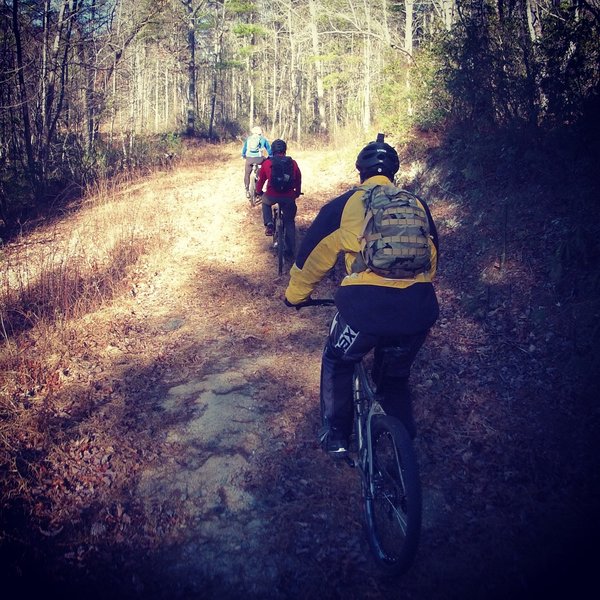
(395, 236)
(254, 142)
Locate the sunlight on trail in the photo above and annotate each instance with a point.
(170, 434)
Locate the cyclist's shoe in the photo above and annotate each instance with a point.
(337, 447)
(269, 229)
(247, 194)
(334, 443)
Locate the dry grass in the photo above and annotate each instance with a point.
(67, 269)
(50, 281)
(166, 281)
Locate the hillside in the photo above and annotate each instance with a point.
(163, 444)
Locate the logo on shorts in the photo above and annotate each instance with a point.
(345, 340)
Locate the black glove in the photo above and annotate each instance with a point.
(296, 306)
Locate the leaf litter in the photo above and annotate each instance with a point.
(172, 453)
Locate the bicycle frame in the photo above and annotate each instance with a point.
(365, 406)
(389, 474)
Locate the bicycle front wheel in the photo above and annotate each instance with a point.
(392, 496)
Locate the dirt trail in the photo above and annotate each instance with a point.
(213, 489)
(193, 470)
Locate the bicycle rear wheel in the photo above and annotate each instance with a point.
(392, 496)
(252, 187)
(279, 241)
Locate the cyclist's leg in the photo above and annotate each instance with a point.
(247, 171)
(394, 357)
(267, 213)
(344, 348)
(289, 210)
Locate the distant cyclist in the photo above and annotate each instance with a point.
(374, 311)
(255, 150)
(284, 186)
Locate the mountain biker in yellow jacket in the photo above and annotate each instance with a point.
(373, 311)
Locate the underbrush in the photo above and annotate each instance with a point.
(69, 268)
(50, 281)
(25, 201)
(531, 201)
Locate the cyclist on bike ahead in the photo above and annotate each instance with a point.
(283, 187)
(373, 311)
(255, 147)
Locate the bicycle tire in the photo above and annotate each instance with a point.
(392, 496)
(280, 239)
(252, 187)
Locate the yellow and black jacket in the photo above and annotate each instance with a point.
(368, 302)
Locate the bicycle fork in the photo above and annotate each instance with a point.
(363, 432)
(365, 407)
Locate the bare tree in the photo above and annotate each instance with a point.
(191, 10)
(319, 98)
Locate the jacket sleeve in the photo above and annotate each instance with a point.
(244, 147)
(263, 175)
(319, 250)
(319, 263)
(268, 147)
(297, 180)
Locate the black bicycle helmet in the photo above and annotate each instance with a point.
(377, 158)
(278, 147)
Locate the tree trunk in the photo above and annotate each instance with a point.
(408, 48)
(214, 90)
(31, 166)
(191, 48)
(319, 97)
(408, 26)
(250, 92)
(366, 113)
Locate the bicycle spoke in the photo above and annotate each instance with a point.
(400, 516)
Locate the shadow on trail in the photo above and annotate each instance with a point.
(509, 487)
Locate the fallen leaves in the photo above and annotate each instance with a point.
(488, 385)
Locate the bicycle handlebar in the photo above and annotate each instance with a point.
(315, 302)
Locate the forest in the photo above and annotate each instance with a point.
(92, 88)
(158, 401)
